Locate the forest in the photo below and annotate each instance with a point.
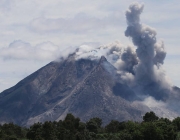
(72, 128)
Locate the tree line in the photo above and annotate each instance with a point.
(71, 128)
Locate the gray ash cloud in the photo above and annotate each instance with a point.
(139, 66)
(149, 75)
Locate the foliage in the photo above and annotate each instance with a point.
(150, 116)
(12, 132)
(71, 128)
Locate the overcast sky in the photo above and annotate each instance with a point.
(33, 32)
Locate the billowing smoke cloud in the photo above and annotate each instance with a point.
(139, 66)
(149, 74)
(123, 58)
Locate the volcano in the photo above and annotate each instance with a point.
(82, 87)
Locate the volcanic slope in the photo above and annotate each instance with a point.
(82, 87)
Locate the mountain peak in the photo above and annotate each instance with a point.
(102, 59)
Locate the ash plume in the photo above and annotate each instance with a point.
(139, 66)
(149, 75)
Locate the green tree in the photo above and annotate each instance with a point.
(134, 130)
(166, 128)
(12, 131)
(176, 123)
(49, 131)
(151, 131)
(94, 124)
(35, 131)
(178, 136)
(71, 123)
(112, 127)
(150, 116)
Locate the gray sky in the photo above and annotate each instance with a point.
(33, 33)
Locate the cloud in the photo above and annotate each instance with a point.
(25, 51)
(6, 5)
(80, 23)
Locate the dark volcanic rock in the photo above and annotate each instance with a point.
(83, 87)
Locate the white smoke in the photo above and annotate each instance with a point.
(160, 108)
(123, 58)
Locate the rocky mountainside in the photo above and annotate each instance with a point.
(82, 87)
